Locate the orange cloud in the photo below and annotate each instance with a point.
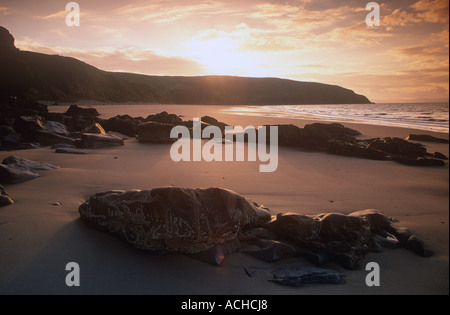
(432, 11)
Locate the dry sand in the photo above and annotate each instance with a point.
(38, 239)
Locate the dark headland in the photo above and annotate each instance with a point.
(37, 76)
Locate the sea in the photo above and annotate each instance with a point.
(422, 116)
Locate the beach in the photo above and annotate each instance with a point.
(38, 237)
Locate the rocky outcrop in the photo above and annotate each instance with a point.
(426, 138)
(211, 223)
(173, 219)
(164, 118)
(154, 132)
(123, 124)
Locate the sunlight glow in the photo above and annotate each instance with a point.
(223, 55)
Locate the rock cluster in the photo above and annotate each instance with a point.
(29, 125)
(211, 223)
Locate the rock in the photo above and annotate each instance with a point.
(164, 118)
(272, 251)
(293, 136)
(421, 161)
(330, 131)
(11, 175)
(58, 117)
(27, 146)
(15, 107)
(70, 151)
(6, 130)
(173, 219)
(98, 141)
(5, 199)
(28, 126)
(12, 140)
(15, 170)
(56, 128)
(78, 123)
(426, 138)
(214, 122)
(46, 138)
(439, 155)
(123, 124)
(354, 150)
(296, 228)
(62, 146)
(75, 110)
(27, 165)
(301, 275)
(95, 128)
(117, 135)
(153, 132)
(397, 146)
(344, 239)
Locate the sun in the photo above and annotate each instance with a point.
(223, 55)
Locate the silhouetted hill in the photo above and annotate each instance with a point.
(62, 79)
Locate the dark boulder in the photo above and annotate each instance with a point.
(29, 125)
(439, 155)
(173, 219)
(165, 118)
(78, 123)
(11, 175)
(56, 128)
(293, 136)
(214, 122)
(329, 131)
(97, 141)
(75, 110)
(153, 132)
(420, 161)
(123, 124)
(6, 130)
(426, 138)
(397, 146)
(27, 165)
(354, 150)
(46, 138)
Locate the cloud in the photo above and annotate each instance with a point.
(423, 51)
(432, 11)
(160, 12)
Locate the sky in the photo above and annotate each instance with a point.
(404, 59)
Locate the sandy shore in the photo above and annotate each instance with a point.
(38, 239)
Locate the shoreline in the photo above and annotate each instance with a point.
(38, 239)
(255, 111)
